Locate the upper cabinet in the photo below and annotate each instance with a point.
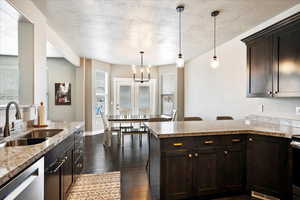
(273, 60)
(259, 62)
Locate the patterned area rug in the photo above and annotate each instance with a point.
(96, 187)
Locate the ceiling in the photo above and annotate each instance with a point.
(115, 31)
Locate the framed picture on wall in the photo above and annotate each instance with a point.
(63, 94)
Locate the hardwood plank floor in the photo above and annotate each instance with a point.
(131, 161)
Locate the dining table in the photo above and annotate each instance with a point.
(131, 118)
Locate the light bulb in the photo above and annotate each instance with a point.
(180, 62)
(133, 69)
(214, 62)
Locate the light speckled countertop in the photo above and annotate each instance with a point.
(222, 127)
(15, 159)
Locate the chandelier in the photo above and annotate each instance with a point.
(142, 78)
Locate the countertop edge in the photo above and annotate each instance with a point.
(7, 177)
(209, 133)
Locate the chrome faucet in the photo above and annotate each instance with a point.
(18, 116)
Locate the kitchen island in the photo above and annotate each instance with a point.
(218, 158)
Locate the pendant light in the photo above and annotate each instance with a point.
(215, 62)
(141, 79)
(180, 60)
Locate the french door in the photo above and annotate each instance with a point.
(134, 98)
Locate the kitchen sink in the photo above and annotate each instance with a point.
(46, 133)
(23, 142)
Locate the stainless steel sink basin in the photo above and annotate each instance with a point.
(43, 133)
(23, 142)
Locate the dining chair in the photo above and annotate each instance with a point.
(193, 119)
(125, 112)
(224, 118)
(108, 130)
(133, 131)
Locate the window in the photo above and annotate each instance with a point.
(101, 92)
(101, 98)
(168, 89)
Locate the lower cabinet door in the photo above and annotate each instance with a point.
(267, 165)
(234, 170)
(52, 185)
(67, 173)
(205, 168)
(176, 175)
(77, 168)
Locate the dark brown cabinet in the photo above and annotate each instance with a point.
(205, 169)
(177, 181)
(233, 179)
(273, 61)
(198, 167)
(259, 62)
(63, 164)
(210, 166)
(267, 165)
(286, 61)
(67, 173)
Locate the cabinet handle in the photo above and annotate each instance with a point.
(208, 142)
(178, 144)
(196, 154)
(250, 139)
(236, 140)
(225, 152)
(276, 92)
(57, 167)
(190, 155)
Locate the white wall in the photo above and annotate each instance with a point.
(41, 29)
(62, 47)
(222, 91)
(60, 71)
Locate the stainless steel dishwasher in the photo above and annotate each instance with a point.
(28, 185)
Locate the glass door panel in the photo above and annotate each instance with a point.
(144, 100)
(125, 101)
(134, 98)
(100, 105)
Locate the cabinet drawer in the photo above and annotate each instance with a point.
(206, 141)
(171, 144)
(231, 140)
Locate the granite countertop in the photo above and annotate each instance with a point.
(15, 159)
(222, 127)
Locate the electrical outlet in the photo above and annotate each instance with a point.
(297, 110)
(261, 108)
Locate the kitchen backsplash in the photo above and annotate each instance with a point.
(287, 121)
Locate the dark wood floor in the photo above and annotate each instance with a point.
(131, 161)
